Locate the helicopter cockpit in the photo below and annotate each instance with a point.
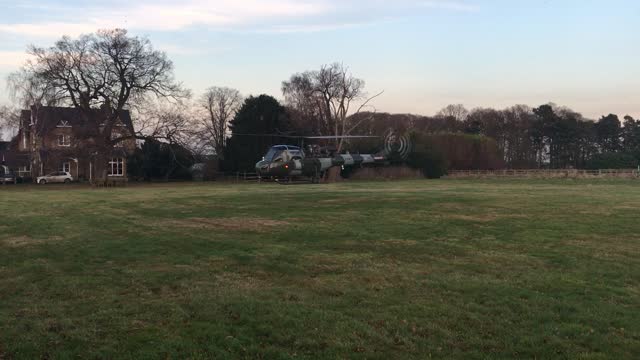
(281, 158)
(283, 153)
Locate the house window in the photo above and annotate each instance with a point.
(65, 167)
(116, 167)
(64, 140)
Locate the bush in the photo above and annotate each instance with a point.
(454, 151)
(427, 159)
(612, 161)
(467, 152)
(157, 160)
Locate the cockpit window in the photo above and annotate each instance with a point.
(273, 154)
(276, 152)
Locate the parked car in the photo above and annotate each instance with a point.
(56, 177)
(7, 176)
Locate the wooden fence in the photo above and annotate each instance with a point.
(545, 173)
(236, 177)
(462, 174)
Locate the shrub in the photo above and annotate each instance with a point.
(426, 158)
(612, 161)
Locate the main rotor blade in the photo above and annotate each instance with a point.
(343, 137)
(271, 135)
(327, 137)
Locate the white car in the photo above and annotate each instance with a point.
(56, 177)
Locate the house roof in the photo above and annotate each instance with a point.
(49, 117)
(13, 159)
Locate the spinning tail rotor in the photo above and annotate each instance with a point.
(397, 146)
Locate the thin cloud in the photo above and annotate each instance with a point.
(169, 16)
(175, 49)
(12, 59)
(51, 29)
(450, 5)
(288, 29)
(276, 16)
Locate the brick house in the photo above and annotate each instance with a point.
(52, 139)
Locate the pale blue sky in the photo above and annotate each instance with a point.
(424, 54)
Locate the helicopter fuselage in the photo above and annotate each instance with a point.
(285, 161)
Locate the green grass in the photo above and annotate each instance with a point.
(442, 269)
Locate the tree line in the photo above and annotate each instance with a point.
(112, 70)
(547, 136)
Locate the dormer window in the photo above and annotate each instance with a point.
(63, 124)
(64, 140)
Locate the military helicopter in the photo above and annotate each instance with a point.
(291, 163)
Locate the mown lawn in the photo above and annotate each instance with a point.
(442, 269)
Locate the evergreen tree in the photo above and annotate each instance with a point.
(608, 131)
(253, 132)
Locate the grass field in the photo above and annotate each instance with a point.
(419, 269)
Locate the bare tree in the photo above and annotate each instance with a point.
(28, 92)
(169, 124)
(221, 105)
(110, 71)
(454, 111)
(9, 121)
(326, 97)
(172, 122)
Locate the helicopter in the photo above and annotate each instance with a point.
(287, 162)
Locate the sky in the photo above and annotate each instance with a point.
(424, 54)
